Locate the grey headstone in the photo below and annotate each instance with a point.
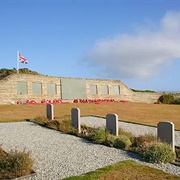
(50, 111)
(112, 123)
(165, 131)
(75, 116)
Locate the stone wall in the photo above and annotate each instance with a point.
(148, 97)
(125, 92)
(8, 89)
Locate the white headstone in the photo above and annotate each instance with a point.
(165, 131)
(75, 116)
(112, 123)
(50, 111)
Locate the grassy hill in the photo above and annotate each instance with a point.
(6, 72)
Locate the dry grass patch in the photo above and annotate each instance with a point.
(149, 114)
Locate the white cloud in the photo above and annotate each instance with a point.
(141, 55)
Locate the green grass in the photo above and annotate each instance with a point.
(125, 170)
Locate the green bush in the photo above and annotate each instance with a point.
(166, 98)
(110, 140)
(122, 142)
(98, 135)
(158, 153)
(65, 125)
(176, 101)
(15, 164)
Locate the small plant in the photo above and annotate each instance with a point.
(15, 164)
(166, 98)
(54, 124)
(98, 135)
(65, 125)
(122, 132)
(110, 140)
(158, 153)
(41, 120)
(144, 140)
(85, 130)
(177, 150)
(122, 142)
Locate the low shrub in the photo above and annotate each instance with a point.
(54, 124)
(63, 125)
(15, 164)
(85, 130)
(158, 153)
(166, 98)
(144, 140)
(122, 142)
(176, 101)
(98, 135)
(122, 132)
(41, 120)
(110, 140)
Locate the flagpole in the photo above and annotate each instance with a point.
(17, 63)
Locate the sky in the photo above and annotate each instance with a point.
(134, 41)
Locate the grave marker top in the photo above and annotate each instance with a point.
(50, 111)
(166, 132)
(112, 123)
(75, 116)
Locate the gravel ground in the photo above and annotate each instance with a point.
(59, 155)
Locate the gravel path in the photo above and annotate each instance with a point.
(135, 129)
(59, 155)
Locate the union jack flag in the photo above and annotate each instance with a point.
(22, 59)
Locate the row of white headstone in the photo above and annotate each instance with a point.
(165, 130)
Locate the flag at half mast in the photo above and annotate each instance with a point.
(22, 59)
